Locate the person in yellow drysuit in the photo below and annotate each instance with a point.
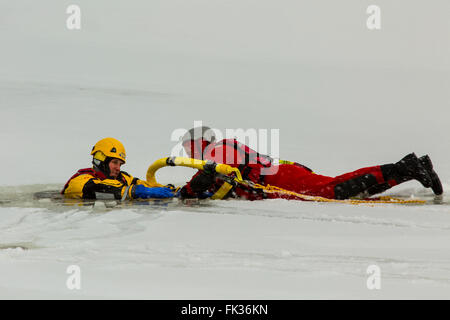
(106, 180)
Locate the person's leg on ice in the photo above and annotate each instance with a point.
(301, 181)
(363, 182)
(369, 181)
(409, 168)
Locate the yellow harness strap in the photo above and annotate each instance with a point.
(222, 192)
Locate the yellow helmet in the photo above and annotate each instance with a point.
(109, 148)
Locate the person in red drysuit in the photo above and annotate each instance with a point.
(199, 143)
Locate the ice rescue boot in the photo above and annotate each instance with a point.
(408, 168)
(436, 184)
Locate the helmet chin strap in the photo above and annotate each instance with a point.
(198, 147)
(102, 166)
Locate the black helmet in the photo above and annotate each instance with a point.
(203, 132)
(196, 140)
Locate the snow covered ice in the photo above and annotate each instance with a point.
(343, 98)
(230, 249)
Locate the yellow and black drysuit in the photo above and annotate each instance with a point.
(91, 184)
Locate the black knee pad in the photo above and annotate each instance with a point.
(355, 186)
(378, 188)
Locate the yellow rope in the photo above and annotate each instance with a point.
(274, 189)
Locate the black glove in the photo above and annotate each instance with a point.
(210, 168)
(205, 179)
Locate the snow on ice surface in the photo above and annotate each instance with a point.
(343, 100)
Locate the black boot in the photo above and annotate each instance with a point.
(410, 167)
(436, 184)
(407, 169)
